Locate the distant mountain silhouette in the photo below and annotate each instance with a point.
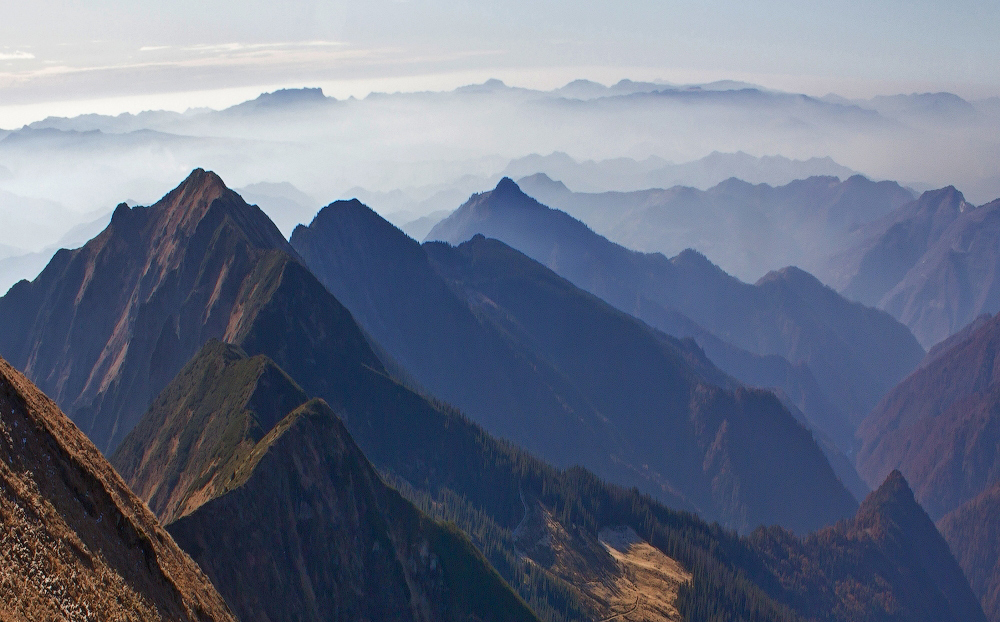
(75, 542)
(611, 394)
(745, 228)
(266, 488)
(931, 263)
(626, 175)
(856, 354)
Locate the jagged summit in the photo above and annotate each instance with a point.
(104, 327)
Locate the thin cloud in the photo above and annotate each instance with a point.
(16, 55)
(153, 48)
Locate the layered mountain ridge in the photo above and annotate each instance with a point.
(748, 229)
(267, 490)
(932, 263)
(535, 360)
(262, 442)
(854, 354)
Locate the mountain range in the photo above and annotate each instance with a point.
(312, 473)
(480, 328)
(747, 229)
(932, 263)
(854, 354)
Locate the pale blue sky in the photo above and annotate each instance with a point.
(57, 50)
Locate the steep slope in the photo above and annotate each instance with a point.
(75, 543)
(628, 386)
(557, 535)
(971, 531)
(856, 354)
(748, 229)
(931, 263)
(391, 288)
(104, 328)
(268, 492)
(204, 424)
(712, 445)
(941, 426)
(900, 567)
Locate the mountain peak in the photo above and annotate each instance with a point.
(202, 182)
(893, 502)
(507, 187)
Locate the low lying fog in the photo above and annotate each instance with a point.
(412, 154)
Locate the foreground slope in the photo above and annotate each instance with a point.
(75, 543)
(566, 540)
(856, 354)
(268, 491)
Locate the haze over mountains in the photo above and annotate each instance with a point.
(288, 426)
(485, 328)
(854, 354)
(663, 135)
(747, 229)
(932, 263)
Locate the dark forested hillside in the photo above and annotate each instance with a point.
(267, 491)
(542, 528)
(75, 542)
(887, 563)
(971, 531)
(941, 428)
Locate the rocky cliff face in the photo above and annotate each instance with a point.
(75, 542)
(105, 327)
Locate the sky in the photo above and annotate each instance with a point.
(73, 56)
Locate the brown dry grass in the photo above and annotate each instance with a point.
(75, 543)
